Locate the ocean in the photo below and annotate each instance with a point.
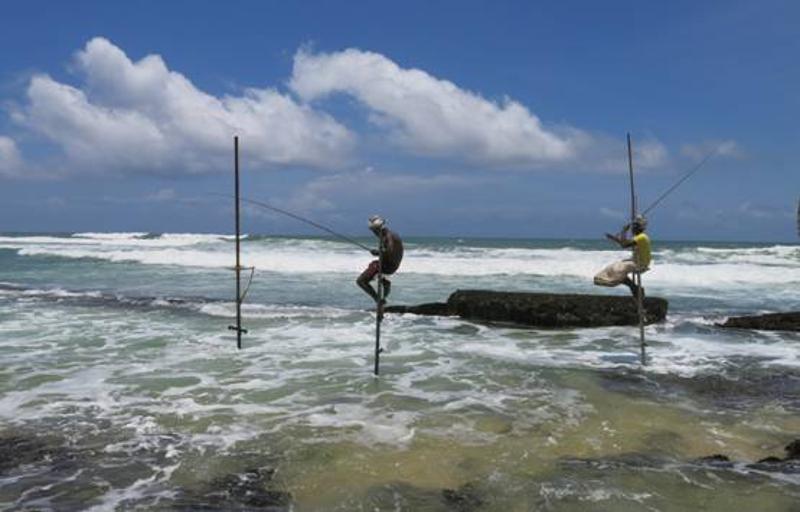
(121, 387)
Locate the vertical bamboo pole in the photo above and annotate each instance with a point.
(379, 307)
(637, 276)
(238, 235)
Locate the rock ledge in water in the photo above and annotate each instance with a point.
(541, 309)
(772, 322)
(788, 464)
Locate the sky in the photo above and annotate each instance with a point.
(450, 118)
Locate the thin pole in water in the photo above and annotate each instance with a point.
(238, 268)
(630, 170)
(379, 307)
(637, 275)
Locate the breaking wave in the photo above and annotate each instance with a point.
(674, 265)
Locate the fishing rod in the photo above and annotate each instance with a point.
(680, 181)
(266, 206)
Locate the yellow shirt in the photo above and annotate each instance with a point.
(641, 253)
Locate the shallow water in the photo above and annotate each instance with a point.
(121, 387)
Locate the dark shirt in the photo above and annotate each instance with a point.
(392, 251)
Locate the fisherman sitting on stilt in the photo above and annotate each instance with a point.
(390, 259)
(618, 273)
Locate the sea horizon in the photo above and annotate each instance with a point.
(368, 237)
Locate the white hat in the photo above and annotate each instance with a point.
(376, 222)
(641, 221)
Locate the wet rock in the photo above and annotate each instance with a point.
(404, 496)
(790, 464)
(19, 450)
(550, 310)
(772, 322)
(430, 308)
(714, 459)
(776, 465)
(640, 462)
(249, 490)
(44, 472)
(793, 450)
(465, 498)
(631, 460)
(717, 461)
(748, 387)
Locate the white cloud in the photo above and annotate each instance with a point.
(324, 192)
(55, 202)
(650, 154)
(434, 117)
(757, 211)
(612, 213)
(164, 194)
(10, 161)
(609, 154)
(142, 116)
(725, 148)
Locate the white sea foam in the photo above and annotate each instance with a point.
(110, 236)
(307, 369)
(388, 428)
(693, 268)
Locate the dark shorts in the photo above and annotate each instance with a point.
(373, 269)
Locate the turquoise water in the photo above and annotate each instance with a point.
(124, 386)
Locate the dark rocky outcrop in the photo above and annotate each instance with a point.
(793, 450)
(21, 449)
(772, 322)
(541, 309)
(429, 308)
(716, 460)
(404, 496)
(745, 388)
(250, 490)
(465, 498)
(789, 464)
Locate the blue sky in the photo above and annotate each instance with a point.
(451, 118)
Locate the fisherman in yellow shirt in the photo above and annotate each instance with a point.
(618, 273)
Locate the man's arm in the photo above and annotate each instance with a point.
(621, 241)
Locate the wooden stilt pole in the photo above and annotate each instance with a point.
(637, 277)
(379, 307)
(238, 268)
(640, 311)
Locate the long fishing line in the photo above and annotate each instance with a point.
(678, 183)
(310, 222)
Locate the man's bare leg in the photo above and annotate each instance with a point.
(633, 287)
(364, 285)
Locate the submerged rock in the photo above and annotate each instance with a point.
(793, 450)
(465, 498)
(772, 322)
(18, 450)
(404, 496)
(716, 460)
(249, 490)
(541, 309)
(772, 464)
